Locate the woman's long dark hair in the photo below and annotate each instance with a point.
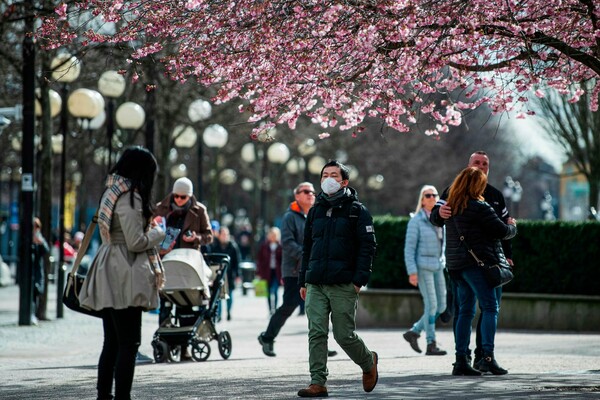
(139, 166)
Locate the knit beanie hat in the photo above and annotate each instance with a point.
(183, 186)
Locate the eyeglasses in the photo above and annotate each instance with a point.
(180, 196)
(430, 195)
(305, 191)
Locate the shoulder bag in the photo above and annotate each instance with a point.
(75, 281)
(497, 274)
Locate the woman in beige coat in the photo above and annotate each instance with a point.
(126, 273)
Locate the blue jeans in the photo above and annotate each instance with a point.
(472, 286)
(273, 291)
(432, 286)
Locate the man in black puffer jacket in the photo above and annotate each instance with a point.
(339, 246)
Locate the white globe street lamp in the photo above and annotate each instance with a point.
(375, 182)
(130, 116)
(178, 171)
(295, 165)
(278, 153)
(215, 136)
(55, 103)
(65, 68)
(85, 103)
(247, 184)
(315, 165)
(112, 85)
(248, 153)
(199, 110)
(185, 136)
(228, 176)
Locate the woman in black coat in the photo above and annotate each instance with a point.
(474, 222)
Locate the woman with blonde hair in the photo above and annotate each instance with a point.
(474, 221)
(424, 259)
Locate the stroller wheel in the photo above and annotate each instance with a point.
(224, 344)
(161, 349)
(174, 353)
(200, 350)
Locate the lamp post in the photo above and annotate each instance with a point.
(65, 69)
(277, 153)
(228, 177)
(198, 111)
(215, 137)
(547, 207)
(112, 85)
(249, 154)
(185, 137)
(512, 192)
(27, 164)
(130, 116)
(306, 149)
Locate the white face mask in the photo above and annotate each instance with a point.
(330, 185)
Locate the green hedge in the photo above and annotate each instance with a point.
(550, 257)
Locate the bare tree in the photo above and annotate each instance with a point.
(577, 129)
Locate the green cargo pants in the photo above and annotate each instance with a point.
(340, 301)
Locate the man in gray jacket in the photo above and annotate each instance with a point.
(292, 238)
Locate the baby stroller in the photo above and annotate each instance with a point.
(194, 283)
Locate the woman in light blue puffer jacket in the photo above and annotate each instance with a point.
(424, 259)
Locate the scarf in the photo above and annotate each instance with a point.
(337, 197)
(116, 186)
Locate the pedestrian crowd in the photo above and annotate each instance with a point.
(321, 254)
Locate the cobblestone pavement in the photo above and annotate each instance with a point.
(57, 360)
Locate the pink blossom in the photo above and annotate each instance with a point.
(338, 62)
(61, 11)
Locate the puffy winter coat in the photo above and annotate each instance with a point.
(423, 249)
(338, 249)
(482, 230)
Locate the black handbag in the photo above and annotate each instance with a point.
(497, 274)
(74, 281)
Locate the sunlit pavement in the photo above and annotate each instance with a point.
(57, 360)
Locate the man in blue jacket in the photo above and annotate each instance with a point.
(339, 247)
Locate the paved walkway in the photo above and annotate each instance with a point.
(57, 360)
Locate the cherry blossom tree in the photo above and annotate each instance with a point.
(339, 62)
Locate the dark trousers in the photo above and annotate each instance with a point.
(291, 300)
(122, 337)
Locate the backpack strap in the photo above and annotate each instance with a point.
(354, 214)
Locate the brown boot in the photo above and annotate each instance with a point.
(433, 350)
(313, 390)
(370, 378)
(411, 337)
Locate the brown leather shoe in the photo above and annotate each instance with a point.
(370, 378)
(313, 391)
